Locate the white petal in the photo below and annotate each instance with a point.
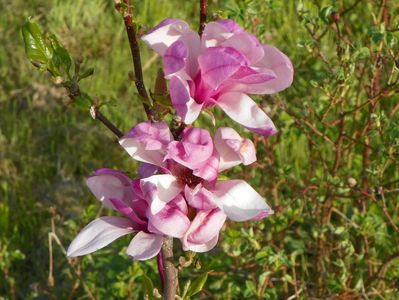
(233, 149)
(98, 234)
(159, 190)
(145, 246)
(242, 109)
(202, 247)
(239, 200)
(165, 34)
(137, 151)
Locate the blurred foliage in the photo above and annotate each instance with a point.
(331, 173)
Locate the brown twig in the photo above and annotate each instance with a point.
(169, 270)
(74, 92)
(136, 57)
(97, 115)
(203, 14)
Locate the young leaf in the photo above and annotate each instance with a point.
(61, 59)
(197, 285)
(36, 48)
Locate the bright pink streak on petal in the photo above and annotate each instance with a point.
(172, 220)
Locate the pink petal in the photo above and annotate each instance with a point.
(208, 170)
(172, 220)
(233, 149)
(147, 142)
(147, 170)
(205, 247)
(98, 234)
(107, 183)
(159, 190)
(145, 246)
(205, 226)
(185, 105)
(281, 65)
(165, 34)
(129, 212)
(242, 109)
(246, 44)
(194, 149)
(230, 25)
(218, 64)
(214, 34)
(175, 58)
(199, 197)
(239, 201)
(170, 31)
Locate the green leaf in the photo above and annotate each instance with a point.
(60, 59)
(86, 73)
(36, 48)
(197, 285)
(325, 14)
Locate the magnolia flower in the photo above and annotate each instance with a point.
(190, 167)
(221, 68)
(117, 191)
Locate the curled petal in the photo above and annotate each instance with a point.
(147, 142)
(185, 105)
(205, 226)
(159, 190)
(199, 197)
(172, 220)
(205, 247)
(233, 149)
(242, 109)
(107, 183)
(194, 149)
(98, 234)
(144, 246)
(239, 201)
(209, 169)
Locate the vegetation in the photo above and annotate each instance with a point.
(331, 173)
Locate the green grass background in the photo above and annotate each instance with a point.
(335, 232)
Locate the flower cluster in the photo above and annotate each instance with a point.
(178, 193)
(220, 68)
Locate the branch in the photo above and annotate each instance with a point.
(169, 270)
(136, 57)
(97, 115)
(203, 13)
(74, 92)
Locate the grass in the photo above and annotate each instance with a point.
(334, 190)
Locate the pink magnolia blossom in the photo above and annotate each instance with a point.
(190, 168)
(117, 191)
(177, 195)
(221, 68)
